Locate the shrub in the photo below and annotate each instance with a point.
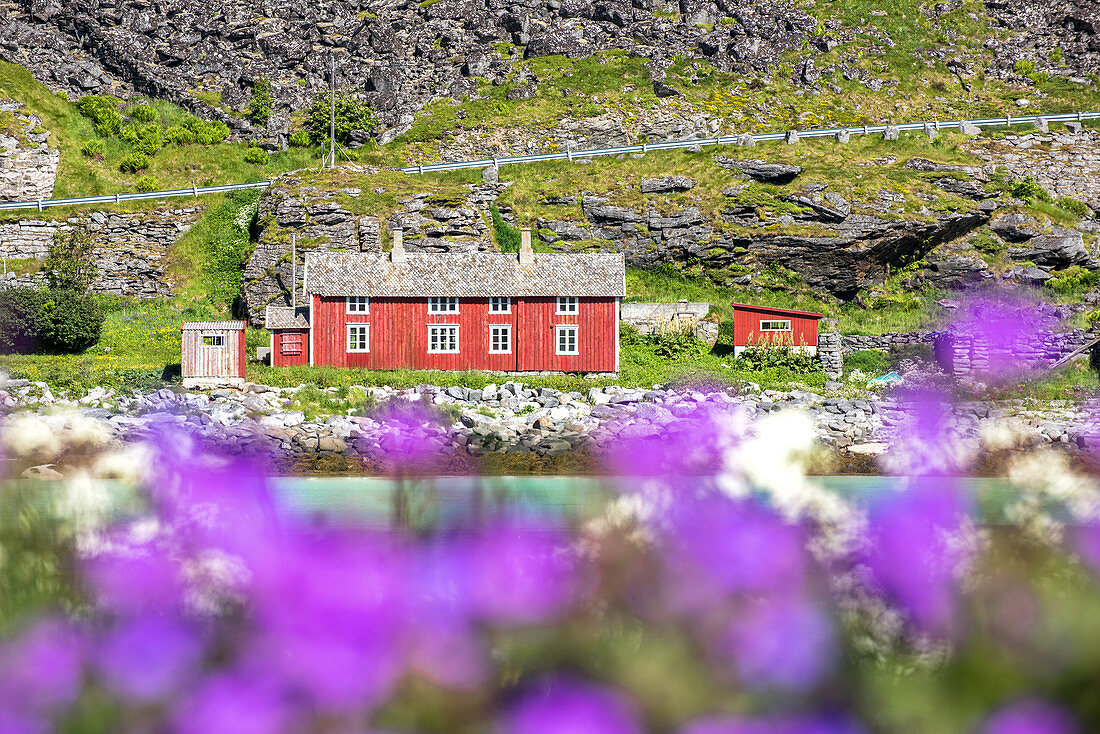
(508, 237)
(871, 361)
(102, 110)
(144, 113)
(147, 183)
(70, 263)
(133, 162)
(93, 148)
(72, 321)
(207, 132)
(300, 139)
(259, 108)
(1024, 67)
(21, 320)
(178, 135)
(1028, 188)
(144, 138)
(677, 342)
(1072, 279)
(783, 356)
(255, 156)
(54, 320)
(1073, 206)
(351, 114)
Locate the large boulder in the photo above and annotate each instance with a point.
(759, 170)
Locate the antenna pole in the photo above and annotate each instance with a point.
(332, 110)
(293, 270)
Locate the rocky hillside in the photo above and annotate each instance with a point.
(862, 219)
(401, 56)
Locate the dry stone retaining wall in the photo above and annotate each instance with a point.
(28, 165)
(130, 248)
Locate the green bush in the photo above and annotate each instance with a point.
(763, 356)
(1073, 206)
(677, 343)
(93, 148)
(1028, 188)
(147, 183)
(1024, 67)
(178, 135)
(628, 335)
(207, 132)
(21, 320)
(300, 139)
(508, 237)
(259, 107)
(870, 361)
(72, 321)
(256, 156)
(144, 138)
(133, 162)
(48, 321)
(144, 113)
(102, 110)
(1073, 279)
(70, 262)
(351, 114)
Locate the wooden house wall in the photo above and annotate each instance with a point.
(278, 338)
(228, 360)
(746, 327)
(399, 335)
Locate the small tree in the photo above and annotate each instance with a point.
(351, 114)
(70, 264)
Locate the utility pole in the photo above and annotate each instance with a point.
(332, 110)
(294, 271)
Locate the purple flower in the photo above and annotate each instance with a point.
(1031, 716)
(909, 555)
(135, 578)
(718, 546)
(824, 724)
(784, 644)
(519, 576)
(13, 722)
(242, 702)
(41, 669)
(149, 657)
(564, 706)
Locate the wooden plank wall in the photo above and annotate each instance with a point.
(228, 360)
(746, 323)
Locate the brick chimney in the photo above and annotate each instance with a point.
(397, 252)
(526, 254)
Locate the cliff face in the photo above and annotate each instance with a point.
(28, 165)
(399, 54)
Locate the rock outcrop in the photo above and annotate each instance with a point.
(28, 165)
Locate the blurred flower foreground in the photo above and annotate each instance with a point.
(721, 591)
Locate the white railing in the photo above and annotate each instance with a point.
(572, 155)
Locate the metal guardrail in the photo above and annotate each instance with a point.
(572, 155)
(195, 191)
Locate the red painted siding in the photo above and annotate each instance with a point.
(289, 348)
(746, 327)
(399, 335)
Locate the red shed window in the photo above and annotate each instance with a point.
(291, 344)
(775, 326)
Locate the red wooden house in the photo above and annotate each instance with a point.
(756, 325)
(455, 311)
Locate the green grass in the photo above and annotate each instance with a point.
(140, 341)
(207, 260)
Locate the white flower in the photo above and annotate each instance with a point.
(27, 434)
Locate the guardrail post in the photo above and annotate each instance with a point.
(39, 205)
(117, 199)
(645, 149)
(194, 189)
(420, 170)
(569, 154)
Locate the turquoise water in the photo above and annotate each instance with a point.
(538, 500)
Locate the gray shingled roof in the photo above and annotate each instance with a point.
(465, 275)
(212, 326)
(285, 317)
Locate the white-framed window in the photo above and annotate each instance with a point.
(567, 339)
(358, 304)
(358, 337)
(212, 340)
(567, 304)
(291, 344)
(442, 305)
(500, 339)
(775, 326)
(442, 338)
(500, 304)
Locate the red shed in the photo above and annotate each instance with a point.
(460, 311)
(289, 329)
(213, 352)
(754, 325)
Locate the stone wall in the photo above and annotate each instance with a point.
(860, 342)
(1063, 163)
(28, 165)
(830, 352)
(962, 355)
(129, 247)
